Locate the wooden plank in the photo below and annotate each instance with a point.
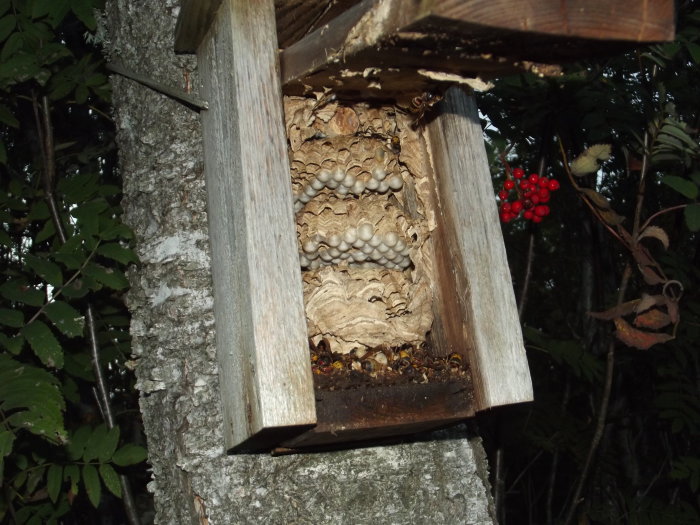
(634, 20)
(373, 48)
(376, 412)
(193, 22)
(262, 346)
(474, 248)
(297, 18)
(629, 19)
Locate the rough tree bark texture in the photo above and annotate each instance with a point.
(441, 479)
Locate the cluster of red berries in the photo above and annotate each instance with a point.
(532, 194)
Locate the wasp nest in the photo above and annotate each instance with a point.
(362, 203)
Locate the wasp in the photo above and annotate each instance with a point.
(455, 360)
(419, 105)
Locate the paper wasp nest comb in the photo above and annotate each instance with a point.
(361, 198)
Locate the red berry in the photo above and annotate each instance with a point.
(508, 185)
(535, 199)
(528, 214)
(527, 204)
(536, 219)
(541, 210)
(543, 182)
(533, 178)
(553, 185)
(525, 185)
(505, 216)
(518, 173)
(516, 207)
(503, 195)
(505, 206)
(543, 193)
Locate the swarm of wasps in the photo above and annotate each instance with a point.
(383, 364)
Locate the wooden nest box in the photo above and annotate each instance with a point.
(361, 281)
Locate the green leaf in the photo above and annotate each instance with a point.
(96, 443)
(91, 481)
(111, 479)
(12, 344)
(7, 439)
(110, 277)
(79, 188)
(5, 239)
(117, 231)
(7, 117)
(78, 288)
(48, 231)
(692, 217)
(44, 343)
(13, 318)
(72, 261)
(46, 269)
(117, 252)
(84, 11)
(66, 318)
(108, 445)
(129, 454)
(681, 185)
(54, 480)
(7, 25)
(72, 473)
(676, 129)
(32, 394)
(79, 365)
(694, 51)
(77, 442)
(18, 290)
(12, 46)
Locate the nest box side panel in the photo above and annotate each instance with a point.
(258, 303)
(486, 315)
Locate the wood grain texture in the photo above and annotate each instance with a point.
(473, 248)
(378, 47)
(378, 412)
(195, 19)
(260, 325)
(635, 20)
(624, 20)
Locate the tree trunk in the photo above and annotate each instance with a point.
(439, 479)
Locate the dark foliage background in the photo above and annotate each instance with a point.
(69, 427)
(634, 411)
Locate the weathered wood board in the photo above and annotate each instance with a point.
(479, 311)
(260, 324)
(356, 51)
(381, 48)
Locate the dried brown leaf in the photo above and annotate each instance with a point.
(653, 319)
(656, 233)
(616, 311)
(651, 276)
(647, 301)
(589, 161)
(612, 218)
(672, 308)
(596, 198)
(640, 339)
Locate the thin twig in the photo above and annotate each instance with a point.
(593, 209)
(661, 212)
(45, 129)
(526, 277)
(603, 408)
(58, 293)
